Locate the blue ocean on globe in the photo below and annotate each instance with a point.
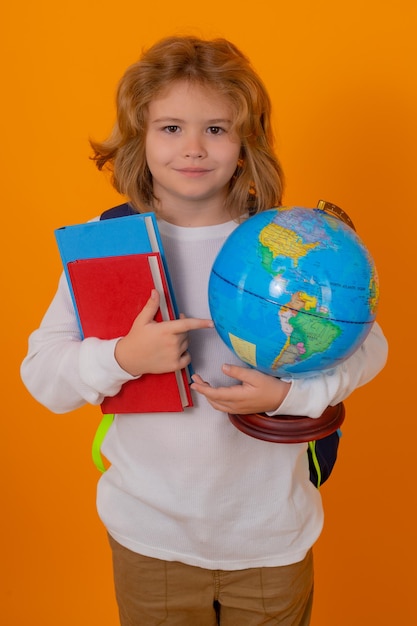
(293, 291)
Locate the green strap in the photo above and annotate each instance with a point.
(101, 432)
(312, 447)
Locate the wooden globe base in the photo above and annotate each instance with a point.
(290, 428)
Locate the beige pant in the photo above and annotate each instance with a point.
(151, 592)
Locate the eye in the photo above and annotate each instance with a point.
(215, 130)
(171, 129)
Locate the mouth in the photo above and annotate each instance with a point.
(193, 172)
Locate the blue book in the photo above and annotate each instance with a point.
(120, 236)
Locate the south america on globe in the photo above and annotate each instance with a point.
(293, 291)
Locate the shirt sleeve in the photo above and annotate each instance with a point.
(62, 371)
(312, 395)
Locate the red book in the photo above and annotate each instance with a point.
(109, 293)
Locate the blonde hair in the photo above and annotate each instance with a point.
(258, 181)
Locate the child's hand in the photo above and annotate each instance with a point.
(258, 392)
(155, 347)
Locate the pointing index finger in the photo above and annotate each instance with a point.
(184, 324)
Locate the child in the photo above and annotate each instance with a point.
(206, 524)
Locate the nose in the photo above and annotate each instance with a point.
(194, 148)
(194, 154)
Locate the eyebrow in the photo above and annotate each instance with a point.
(175, 120)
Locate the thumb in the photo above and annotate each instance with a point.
(150, 309)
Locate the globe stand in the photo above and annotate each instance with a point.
(290, 428)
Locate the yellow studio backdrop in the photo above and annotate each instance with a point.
(343, 83)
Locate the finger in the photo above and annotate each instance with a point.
(196, 378)
(184, 360)
(183, 344)
(150, 309)
(213, 394)
(185, 324)
(244, 374)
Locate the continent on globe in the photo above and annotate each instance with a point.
(373, 292)
(280, 241)
(305, 336)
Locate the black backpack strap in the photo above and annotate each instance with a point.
(121, 210)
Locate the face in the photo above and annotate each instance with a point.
(191, 152)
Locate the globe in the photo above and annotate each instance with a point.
(293, 291)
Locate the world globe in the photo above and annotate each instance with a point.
(293, 291)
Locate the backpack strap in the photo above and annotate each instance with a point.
(121, 210)
(101, 432)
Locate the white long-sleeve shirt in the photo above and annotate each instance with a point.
(189, 486)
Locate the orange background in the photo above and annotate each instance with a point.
(342, 79)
